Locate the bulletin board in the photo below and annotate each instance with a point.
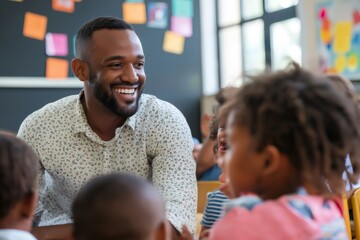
(338, 36)
(37, 36)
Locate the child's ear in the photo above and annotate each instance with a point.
(28, 205)
(80, 69)
(271, 159)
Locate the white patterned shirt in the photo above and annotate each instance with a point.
(155, 144)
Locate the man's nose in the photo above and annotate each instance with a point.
(129, 74)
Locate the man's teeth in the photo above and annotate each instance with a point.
(125, 90)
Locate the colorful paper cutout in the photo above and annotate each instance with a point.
(134, 13)
(35, 25)
(342, 37)
(157, 15)
(323, 13)
(63, 5)
(16, 0)
(56, 44)
(356, 39)
(353, 62)
(325, 36)
(182, 8)
(182, 26)
(173, 43)
(356, 17)
(340, 63)
(57, 68)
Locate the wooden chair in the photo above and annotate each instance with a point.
(355, 202)
(204, 187)
(346, 215)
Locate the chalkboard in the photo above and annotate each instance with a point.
(171, 77)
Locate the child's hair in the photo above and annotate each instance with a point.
(18, 171)
(221, 98)
(307, 119)
(117, 206)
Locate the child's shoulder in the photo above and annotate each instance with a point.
(303, 216)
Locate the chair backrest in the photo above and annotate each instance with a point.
(346, 215)
(355, 202)
(204, 187)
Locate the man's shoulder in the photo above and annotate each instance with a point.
(58, 109)
(150, 103)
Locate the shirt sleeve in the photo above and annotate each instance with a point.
(27, 133)
(173, 167)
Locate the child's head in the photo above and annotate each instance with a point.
(290, 129)
(119, 206)
(18, 193)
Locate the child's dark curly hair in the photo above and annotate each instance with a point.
(307, 119)
(221, 98)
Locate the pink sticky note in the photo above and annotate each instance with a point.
(56, 44)
(182, 26)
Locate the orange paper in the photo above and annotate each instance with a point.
(34, 25)
(63, 5)
(134, 12)
(56, 68)
(173, 43)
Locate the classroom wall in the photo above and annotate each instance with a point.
(171, 77)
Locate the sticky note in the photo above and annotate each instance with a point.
(63, 5)
(56, 68)
(325, 36)
(342, 37)
(56, 44)
(157, 15)
(173, 43)
(182, 26)
(134, 13)
(34, 25)
(182, 8)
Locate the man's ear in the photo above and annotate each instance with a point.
(80, 69)
(28, 205)
(272, 158)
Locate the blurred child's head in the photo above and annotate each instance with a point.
(119, 206)
(18, 193)
(290, 129)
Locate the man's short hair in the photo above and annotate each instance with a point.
(18, 171)
(117, 206)
(85, 33)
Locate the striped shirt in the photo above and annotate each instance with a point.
(214, 208)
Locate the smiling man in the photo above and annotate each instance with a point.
(109, 127)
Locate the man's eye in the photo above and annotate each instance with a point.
(115, 65)
(139, 65)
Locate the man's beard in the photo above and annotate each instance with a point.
(110, 102)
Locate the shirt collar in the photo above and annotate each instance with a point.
(81, 125)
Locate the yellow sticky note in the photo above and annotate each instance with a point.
(173, 43)
(34, 25)
(134, 12)
(342, 37)
(56, 68)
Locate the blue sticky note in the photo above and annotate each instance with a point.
(356, 39)
(182, 8)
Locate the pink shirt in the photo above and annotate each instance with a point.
(295, 217)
